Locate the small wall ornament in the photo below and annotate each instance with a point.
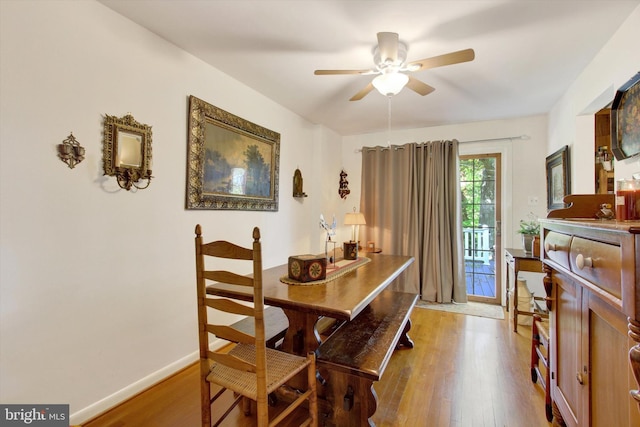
(70, 151)
(297, 184)
(343, 189)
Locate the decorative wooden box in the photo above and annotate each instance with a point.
(307, 268)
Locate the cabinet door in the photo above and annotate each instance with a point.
(610, 377)
(566, 348)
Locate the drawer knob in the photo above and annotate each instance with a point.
(582, 262)
(548, 246)
(579, 378)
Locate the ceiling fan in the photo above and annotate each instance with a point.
(391, 67)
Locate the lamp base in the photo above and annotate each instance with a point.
(350, 250)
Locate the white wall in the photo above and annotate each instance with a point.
(97, 283)
(571, 119)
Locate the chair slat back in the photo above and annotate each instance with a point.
(227, 250)
(231, 361)
(228, 277)
(230, 334)
(223, 249)
(229, 306)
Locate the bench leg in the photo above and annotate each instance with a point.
(353, 400)
(405, 341)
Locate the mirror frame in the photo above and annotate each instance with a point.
(127, 175)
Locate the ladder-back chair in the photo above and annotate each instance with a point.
(249, 369)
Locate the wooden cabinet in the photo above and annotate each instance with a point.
(566, 336)
(591, 374)
(593, 270)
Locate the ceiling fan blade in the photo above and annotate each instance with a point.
(419, 87)
(388, 46)
(336, 72)
(441, 60)
(364, 92)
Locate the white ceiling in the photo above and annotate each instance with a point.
(528, 52)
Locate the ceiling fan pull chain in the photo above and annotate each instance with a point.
(389, 122)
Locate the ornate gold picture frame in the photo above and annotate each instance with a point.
(232, 164)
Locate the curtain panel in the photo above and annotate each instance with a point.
(411, 199)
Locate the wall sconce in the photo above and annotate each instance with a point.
(70, 151)
(354, 219)
(343, 189)
(297, 184)
(127, 151)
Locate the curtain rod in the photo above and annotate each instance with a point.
(506, 138)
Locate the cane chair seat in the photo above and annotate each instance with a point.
(282, 367)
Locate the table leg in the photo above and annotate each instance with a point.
(302, 335)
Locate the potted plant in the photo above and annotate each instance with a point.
(530, 229)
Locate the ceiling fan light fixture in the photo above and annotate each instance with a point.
(390, 84)
(389, 57)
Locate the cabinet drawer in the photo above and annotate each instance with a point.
(600, 263)
(556, 248)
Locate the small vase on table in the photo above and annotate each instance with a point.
(527, 243)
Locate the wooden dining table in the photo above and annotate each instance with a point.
(342, 298)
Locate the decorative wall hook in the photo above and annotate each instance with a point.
(343, 190)
(70, 151)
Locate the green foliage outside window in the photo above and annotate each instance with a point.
(477, 183)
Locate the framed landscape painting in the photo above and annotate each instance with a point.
(232, 163)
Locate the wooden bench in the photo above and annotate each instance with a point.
(275, 325)
(357, 353)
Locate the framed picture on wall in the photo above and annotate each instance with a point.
(232, 164)
(558, 178)
(625, 120)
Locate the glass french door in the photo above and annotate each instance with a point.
(480, 195)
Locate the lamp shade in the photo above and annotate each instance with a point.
(354, 218)
(391, 83)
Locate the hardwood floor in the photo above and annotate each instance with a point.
(464, 371)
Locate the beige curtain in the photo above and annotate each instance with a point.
(411, 201)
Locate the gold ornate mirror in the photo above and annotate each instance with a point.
(127, 151)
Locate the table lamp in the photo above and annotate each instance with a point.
(354, 219)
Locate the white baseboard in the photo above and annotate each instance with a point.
(91, 411)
